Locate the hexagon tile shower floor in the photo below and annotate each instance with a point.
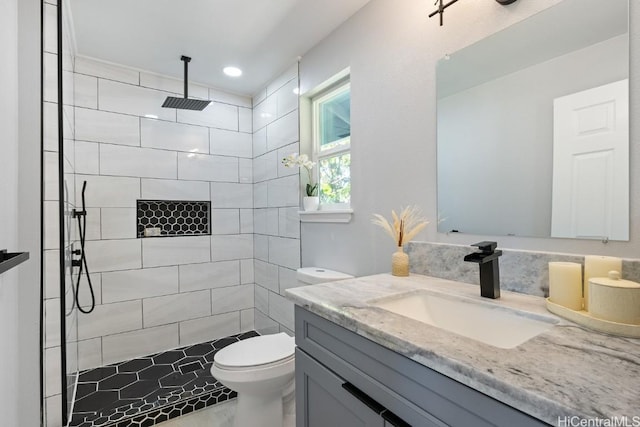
(146, 391)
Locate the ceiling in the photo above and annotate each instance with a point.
(262, 37)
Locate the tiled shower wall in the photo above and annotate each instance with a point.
(155, 294)
(276, 199)
(52, 293)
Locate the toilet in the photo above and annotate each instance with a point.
(261, 369)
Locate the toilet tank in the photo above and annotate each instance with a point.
(315, 275)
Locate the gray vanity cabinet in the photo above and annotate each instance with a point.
(346, 380)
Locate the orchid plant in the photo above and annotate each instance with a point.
(302, 161)
(404, 226)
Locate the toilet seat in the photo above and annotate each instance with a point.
(259, 352)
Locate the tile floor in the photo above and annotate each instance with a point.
(149, 390)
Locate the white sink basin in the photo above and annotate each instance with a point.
(485, 322)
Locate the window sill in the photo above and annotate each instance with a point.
(331, 216)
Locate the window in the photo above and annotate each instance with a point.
(332, 143)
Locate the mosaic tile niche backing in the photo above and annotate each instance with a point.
(149, 390)
(165, 218)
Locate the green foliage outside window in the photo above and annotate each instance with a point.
(335, 179)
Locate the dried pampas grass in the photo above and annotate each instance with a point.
(404, 227)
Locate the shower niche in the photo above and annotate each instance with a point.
(166, 218)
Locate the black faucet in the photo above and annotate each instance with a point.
(489, 268)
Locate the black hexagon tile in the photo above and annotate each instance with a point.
(152, 389)
(173, 218)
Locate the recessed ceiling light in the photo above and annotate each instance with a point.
(232, 71)
(296, 90)
(151, 116)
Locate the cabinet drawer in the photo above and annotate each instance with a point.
(405, 387)
(322, 400)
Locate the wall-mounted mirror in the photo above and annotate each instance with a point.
(533, 134)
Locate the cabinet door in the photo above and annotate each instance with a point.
(322, 401)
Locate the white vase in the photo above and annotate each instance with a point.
(310, 203)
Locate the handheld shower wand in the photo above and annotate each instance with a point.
(81, 216)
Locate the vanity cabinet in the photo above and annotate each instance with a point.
(346, 380)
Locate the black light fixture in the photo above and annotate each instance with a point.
(442, 6)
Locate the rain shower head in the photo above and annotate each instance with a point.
(186, 103)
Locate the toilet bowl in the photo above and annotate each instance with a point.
(261, 371)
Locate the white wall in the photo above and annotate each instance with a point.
(9, 375)
(392, 49)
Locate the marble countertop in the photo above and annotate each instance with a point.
(566, 371)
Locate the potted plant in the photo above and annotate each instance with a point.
(311, 200)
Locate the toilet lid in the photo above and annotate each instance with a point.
(255, 351)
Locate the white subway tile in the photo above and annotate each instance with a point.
(233, 298)
(225, 221)
(138, 162)
(117, 348)
(231, 247)
(266, 166)
(93, 223)
(195, 277)
(246, 271)
(174, 136)
(175, 308)
(108, 319)
(53, 377)
(247, 322)
(264, 324)
(260, 195)
(266, 221)
(288, 278)
(284, 252)
(135, 100)
(50, 64)
(113, 255)
(101, 126)
(54, 410)
(85, 294)
(284, 192)
(289, 222)
(216, 115)
(283, 131)
(105, 70)
(136, 284)
(68, 122)
(259, 96)
(118, 223)
(50, 26)
(229, 98)
(231, 195)
(260, 142)
(90, 353)
(52, 323)
(169, 84)
(163, 189)
(207, 168)
(87, 157)
(246, 221)
(109, 191)
(289, 74)
(245, 171)
(230, 143)
(245, 120)
(266, 275)
(209, 328)
(287, 98)
(85, 91)
(51, 225)
(175, 250)
(281, 310)
(284, 152)
(52, 273)
(261, 247)
(264, 113)
(50, 175)
(50, 122)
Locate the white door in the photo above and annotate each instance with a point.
(591, 163)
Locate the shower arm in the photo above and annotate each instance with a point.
(186, 60)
